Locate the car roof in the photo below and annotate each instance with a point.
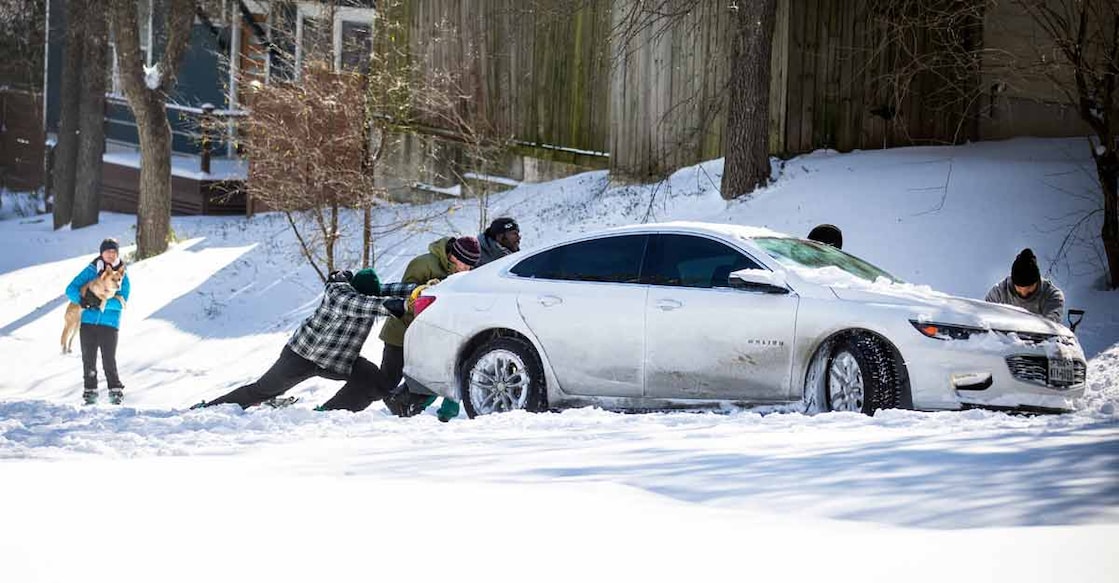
(745, 232)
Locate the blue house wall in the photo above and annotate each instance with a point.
(202, 78)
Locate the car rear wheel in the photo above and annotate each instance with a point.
(862, 376)
(504, 374)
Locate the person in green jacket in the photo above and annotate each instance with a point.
(444, 257)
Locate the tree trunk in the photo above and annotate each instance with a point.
(332, 238)
(91, 145)
(746, 146)
(153, 217)
(1107, 169)
(367, 237)
(66, 150)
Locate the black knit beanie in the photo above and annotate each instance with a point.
(1024, 272)
(828, 235)
(109, 243)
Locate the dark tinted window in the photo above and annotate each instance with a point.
(614, 259)
(688, 261)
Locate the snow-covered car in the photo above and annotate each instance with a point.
(697, 315)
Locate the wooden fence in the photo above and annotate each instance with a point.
(554, 74)
(862, 74)
(22, 141)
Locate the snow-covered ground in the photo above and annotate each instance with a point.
(294, 494)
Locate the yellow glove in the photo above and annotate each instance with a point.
(411, 303)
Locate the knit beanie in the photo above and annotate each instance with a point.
(828, 235)
(502, 225)
(367, 282)
(1024, 272)
(466, 250)
(109, 243)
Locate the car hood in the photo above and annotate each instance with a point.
(927, 305)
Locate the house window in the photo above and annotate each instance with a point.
(355, 44)
(144, 19)
(342, 36)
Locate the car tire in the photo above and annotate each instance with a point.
(503, 374)
(862, 376)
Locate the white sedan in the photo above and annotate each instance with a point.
(675, 315)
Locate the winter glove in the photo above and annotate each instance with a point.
(340, 276)
(395, 306)
(411, 305)
(90, 301)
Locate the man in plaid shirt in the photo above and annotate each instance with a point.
(328, 344)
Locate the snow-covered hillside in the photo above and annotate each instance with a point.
(294, 494)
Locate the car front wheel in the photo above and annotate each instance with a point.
(504, 374)
(862, 376)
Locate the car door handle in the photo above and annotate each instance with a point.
(549, 301)
(669, 305)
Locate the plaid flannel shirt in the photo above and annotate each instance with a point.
(332, 337)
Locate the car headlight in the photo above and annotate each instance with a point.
(946, 331)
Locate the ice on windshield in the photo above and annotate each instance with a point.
(801, 253)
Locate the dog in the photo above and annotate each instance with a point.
(104, 287)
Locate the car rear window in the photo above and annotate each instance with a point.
(609, 259)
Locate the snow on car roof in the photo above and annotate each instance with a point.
(738, 231)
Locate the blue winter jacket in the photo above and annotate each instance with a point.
(110, 316)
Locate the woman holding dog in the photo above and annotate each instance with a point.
(100, 322)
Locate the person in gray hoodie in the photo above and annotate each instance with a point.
(1026, 289)
(501, 238)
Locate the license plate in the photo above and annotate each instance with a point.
(1061, 372)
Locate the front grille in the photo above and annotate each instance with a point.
(1034, 338)
(1030, 338)
(1035, 369)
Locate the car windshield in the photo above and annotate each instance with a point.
(803, 253)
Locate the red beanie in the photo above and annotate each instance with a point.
(466, 250)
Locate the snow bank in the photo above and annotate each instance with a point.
(974, 495)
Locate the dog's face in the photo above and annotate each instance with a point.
(107, 284)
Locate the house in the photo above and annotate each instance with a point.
(230, 40)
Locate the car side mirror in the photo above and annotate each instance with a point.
(760, 280)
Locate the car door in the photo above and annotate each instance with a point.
(586, 305)
(706, 340)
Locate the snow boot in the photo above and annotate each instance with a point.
(448, 410)
(403, 403)
(89, 396)
(280, 402)
(116, 396)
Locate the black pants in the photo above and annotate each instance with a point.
(357, 397)
(104, 338)
(363, 384)
(392, 365)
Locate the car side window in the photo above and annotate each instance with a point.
(690, 261)
(609, 259)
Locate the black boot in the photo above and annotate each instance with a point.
(404, 403)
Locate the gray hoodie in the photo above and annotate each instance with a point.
(1047, 300)
(491, 249)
